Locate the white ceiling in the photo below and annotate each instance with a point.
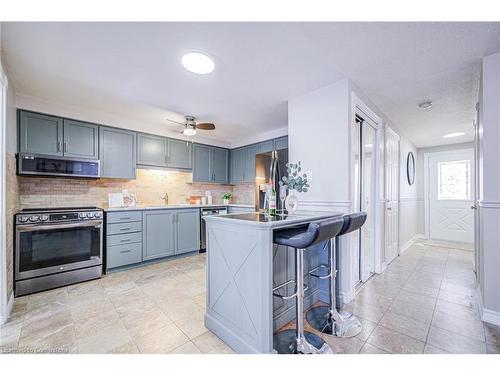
(134, 69)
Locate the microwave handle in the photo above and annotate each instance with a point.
(28, 228)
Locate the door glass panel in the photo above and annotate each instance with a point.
(47, 248)
(454, 180)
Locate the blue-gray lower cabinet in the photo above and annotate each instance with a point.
(123, 238)
(117, 153)
(187, 230)
(40, 134)
(158, 235)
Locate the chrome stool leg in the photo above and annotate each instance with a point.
(327, 319)
(299, 341)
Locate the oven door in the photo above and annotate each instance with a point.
(53, 248)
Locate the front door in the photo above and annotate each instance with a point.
(450, 195)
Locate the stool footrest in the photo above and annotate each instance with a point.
(321, 267)
(285, 284)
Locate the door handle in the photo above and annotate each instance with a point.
(473, 207)
(389, 209)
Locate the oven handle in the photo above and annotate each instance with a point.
(31, 227)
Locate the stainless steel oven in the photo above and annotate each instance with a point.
(57, 247)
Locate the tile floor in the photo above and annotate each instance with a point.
(423, 303)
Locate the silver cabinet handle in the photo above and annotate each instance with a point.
(125, 218)
(127, 240)
(65, 146)
(124, 229)
(125, 251)
(58, 146)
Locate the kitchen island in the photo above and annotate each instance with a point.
(243, 264)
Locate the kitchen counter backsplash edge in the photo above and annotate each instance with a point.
(174, 206)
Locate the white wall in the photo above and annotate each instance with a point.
(489, 194)
(420, 175)
(408, 199)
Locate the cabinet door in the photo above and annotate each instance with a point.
(117, 153)
(220, 158)
(151, 150)
(281, 143)
(81, 140)
(40, 134)
(249, 171)
(158, 234)
(180, 154)
(266, 146)
(202, 163)
(237, 165)
(187, 227)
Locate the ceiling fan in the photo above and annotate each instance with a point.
(190, 125)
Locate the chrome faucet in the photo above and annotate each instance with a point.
(165, 198)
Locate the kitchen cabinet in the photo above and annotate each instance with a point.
(40, 134)
(123, 238)
(81, 140)
(237, 165)
(210, 164)
(180, 154)
(187, 230)
(54, 136)
(266, 146)
(281, 143)
(249, 173)
(158, 234)
(117, 153)
(151, 150)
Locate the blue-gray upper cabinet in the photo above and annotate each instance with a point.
(281, 143)
(117, 153)
(151, 150)
(266, 146)
(202, 163)
(81, 140)
(40, 134)
(249, 174)
(180, 154)
(220, 165)
(237, 169)
(187, 230)
(158, 234)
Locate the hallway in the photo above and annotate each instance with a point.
(425, 302)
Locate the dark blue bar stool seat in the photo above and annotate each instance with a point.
(331, 319)
(299, 341)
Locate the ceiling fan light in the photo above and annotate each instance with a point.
(189, 131)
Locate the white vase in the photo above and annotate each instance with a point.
(292, 202)
(226, 201)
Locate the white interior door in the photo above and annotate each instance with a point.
(450, 195)
(392, 196)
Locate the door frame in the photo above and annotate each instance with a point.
(358, 107)
(3, 225)
(427, 156)
(398, 177)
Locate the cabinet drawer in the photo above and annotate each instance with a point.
(121, 255)
(123, 216)
(120, 228)
(121, 239)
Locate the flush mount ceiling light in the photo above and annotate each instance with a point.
(425, 105)
(197, 62)
(453, 135)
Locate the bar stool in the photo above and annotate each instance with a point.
(299, 341)
(331, 319)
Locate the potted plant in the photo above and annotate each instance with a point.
(226, 197)
(295, 182)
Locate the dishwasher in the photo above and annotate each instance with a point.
(203, 229)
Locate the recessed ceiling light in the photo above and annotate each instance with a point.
(453, 135)
(425, 105)
(197, 62)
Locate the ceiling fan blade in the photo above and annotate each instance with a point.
(177, 122)
(205, 126)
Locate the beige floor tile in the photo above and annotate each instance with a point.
(395, 342)
(93, 325)
(192, 327)
(181, 310)
(366, 311)
(458, 311)
(187, 348)
(417, 299)
(466, 300)
(340, 345)
(368, 327)
(105, 341)
(208, 343)
(371, 349)
(58, 339)
(454, 343)
(466, 327)
(161, 341)
(38, 327)
(411, 310)
(430, 349)
(143, 319)
(405, 325)
(9, 334)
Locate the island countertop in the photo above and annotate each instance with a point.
(263, 220)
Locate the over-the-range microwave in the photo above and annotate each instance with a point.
(41, 165)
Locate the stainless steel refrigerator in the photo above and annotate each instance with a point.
(263, 163)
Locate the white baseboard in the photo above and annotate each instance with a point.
(487, 315)
(410, 242)
(8, 310)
